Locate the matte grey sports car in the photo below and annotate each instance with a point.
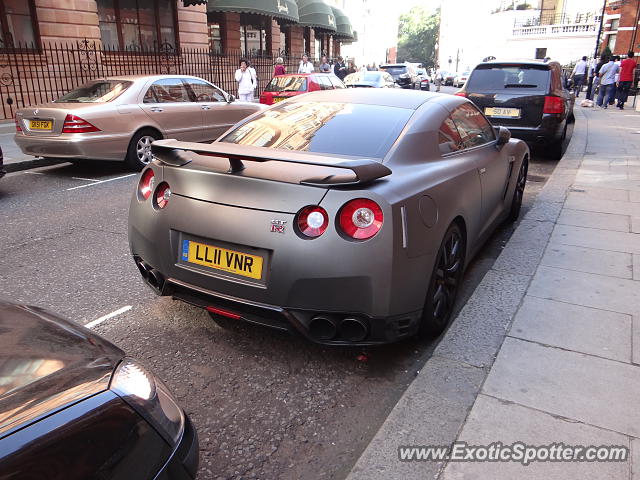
(345, 215)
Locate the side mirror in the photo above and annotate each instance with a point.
(231, 99)
(503, 136)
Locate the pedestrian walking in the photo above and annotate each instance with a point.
(279, 68)
(247, 81)
(578, 75)
(596, 77)
(324, 65)
(351, 68)
(607, 77)
(438, 79)
(305, 65)
(613, 91)
(627, 73)
(340, 68)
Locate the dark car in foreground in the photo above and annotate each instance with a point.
(347, 216)
(368, 79)
(282, 87)
(404, 75)
(74, 407)
(527, 97)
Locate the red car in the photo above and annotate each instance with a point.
(282, 87)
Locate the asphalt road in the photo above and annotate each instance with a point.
(265, 404)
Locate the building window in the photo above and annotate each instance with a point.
(215, 22)
(253, 34)
(137, 24)
(541, 53)
(611, 42)
(615, 23)
(17, 26)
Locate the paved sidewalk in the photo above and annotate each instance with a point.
(564, 300)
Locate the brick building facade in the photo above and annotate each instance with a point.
(619, 31)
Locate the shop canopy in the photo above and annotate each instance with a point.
(343, 25)
(281, 9)
(317, 14)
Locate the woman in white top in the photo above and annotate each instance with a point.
(247, 81)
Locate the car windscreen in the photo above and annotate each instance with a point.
(520, 78)
(325, 127)
(287, 84)
(95, 92)
(394, 70)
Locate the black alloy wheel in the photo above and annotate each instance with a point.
(518, 194)
(444, 283)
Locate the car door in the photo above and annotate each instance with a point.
(218, 115)
(494, 167)
(168, 104)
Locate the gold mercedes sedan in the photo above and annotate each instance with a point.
(117, 118)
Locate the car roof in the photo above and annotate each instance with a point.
(133, 78)
(393, 65)
(538, 63)
(410, 99)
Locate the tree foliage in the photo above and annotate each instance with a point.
(418, 36)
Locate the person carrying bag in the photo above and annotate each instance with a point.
(247, 81)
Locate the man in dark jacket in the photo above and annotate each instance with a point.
(340, 69)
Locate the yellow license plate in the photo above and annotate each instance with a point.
(279, 99)
(41, 125)
(222, 259)
(502, 112)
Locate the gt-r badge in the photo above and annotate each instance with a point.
(277, 226)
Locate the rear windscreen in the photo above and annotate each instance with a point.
(524, 78)
(287, 84)
(96, 91)
(394, 70)
(325, 127)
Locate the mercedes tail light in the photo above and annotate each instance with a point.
(146, 184)
(18, 127)
(361, 218)
(163, 192)
(75, 124)
(461, 94)
(553, 105)
(312, 221)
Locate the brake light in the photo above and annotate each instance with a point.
(146, 184)
(553, 105)
(224, 313)
(163, 193)
(461, 94)
(361, 218)
(18, 127)
(75, 124)
(312, 221)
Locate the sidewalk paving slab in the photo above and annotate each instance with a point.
(596, 238)
(574, 327)
(582, 218)
(512, 423)
(589, 260)
(635, 459)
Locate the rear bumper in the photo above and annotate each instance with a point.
(183, 464)
(75, 146)
(548, 132)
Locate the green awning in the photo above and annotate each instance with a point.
(317, 14)
(283, 9)
(349, 41)
(188, 3)
(343, 25)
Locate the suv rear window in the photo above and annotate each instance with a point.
(320, 127)
(395, 70)
(95, 92)
(287, 84)
(526, 78)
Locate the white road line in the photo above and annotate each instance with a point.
(86, 179)
(98, 321)
(35, 173)
(101, 181)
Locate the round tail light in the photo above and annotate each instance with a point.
(361, 218)
(312, 221)
(163, 193)
(146, 184)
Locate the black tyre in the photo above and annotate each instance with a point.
(444, 283)
(518, 194)
(556, 149)
(139, 151)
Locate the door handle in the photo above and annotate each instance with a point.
(156, 109)
(483, 170)
(205, 107)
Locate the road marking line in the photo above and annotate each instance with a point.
(87, 179)
(35, 173)
(98, 321)
(101, 181)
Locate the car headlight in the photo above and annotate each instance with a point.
(148, 396)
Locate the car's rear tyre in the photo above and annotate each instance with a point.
(556, 149)
(444, 283)
(518, 193)
(139, 151)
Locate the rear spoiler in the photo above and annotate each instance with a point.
(176, 154)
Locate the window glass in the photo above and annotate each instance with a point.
(287, 84)
(529, 78)
(96, 91)
(335, 81)
(319, 127)
(449, 138)
(16, 25)
(325, 83)
(170, 90)
(204, 92)
(474, 129)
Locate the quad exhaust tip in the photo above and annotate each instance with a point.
(322, 328)
(350, 329)
(150, 274)
(353, 329)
